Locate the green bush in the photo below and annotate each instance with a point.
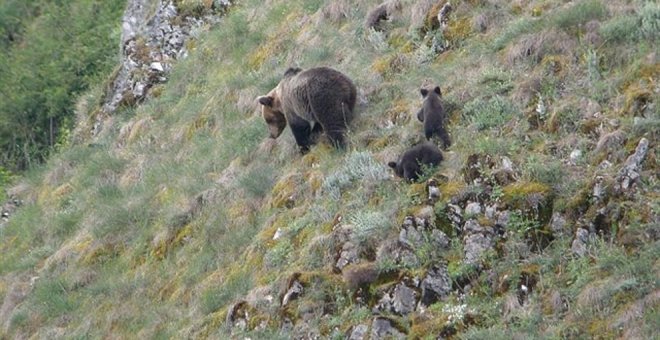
(488, 113)
(621, 29)
(580, 13)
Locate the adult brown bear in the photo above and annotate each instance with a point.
(322, 97)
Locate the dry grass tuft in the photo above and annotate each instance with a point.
(536, 46)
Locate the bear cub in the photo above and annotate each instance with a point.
(432, 115)
(411, 162)
(310, 101)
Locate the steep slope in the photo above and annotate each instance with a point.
(181, 219)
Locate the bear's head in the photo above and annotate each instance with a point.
(271, 111)
(425, 92)
(398, 169)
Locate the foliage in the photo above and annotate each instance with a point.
(158, 234)
(51, 53)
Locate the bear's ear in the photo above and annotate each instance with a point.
(392, 165)
(437, 90)
(424, 92)
(266, 101)
(292, 71)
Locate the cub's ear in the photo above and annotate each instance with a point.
(392, 165)
(437, 90)
(266, 101)
(424, 92)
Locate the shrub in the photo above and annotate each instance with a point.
(580, 13)
(621, 29)
(488, 113)
(358, 166)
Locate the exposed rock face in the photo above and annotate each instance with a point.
(381, 328)
(358, 332)
(294, 291)
(629, 173)
(350, 252)
(579, 246)
(476, 241)
(400, 300)
(436, 285)
(150, 43)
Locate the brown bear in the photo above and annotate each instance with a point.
(412, 161)
(432, 115)
(322, 97)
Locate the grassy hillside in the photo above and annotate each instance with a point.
(182, 207)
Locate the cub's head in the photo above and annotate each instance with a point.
(271, 110)
(425, 92)
(398, 169)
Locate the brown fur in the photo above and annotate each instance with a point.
(311, 101)
(433, 115)
(410, 164)
(384, 11)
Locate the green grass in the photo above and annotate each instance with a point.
(122, 245)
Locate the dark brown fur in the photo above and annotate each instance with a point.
(410, 164)
(432, 115)
(311, 101)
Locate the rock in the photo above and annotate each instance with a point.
(630, 170)
(396, 252)
(400, 300)
(455, 215)
(610, 142)
(472, 227)
(579, 246)
(278, 234)
(575, 156)
(473, 170)
(294, 291)
(349, 254)
(605, 164)
(150, 42)
(156, 66)
(381, 328)
(410, 235)
(415, 232)
(436, 285)
(426, 216)
(443, 15)
(439, 239)
(503, 219)
(358, 332)
(433, 191)
(350, 251)
(475, 246)
(473, 209)
(600, 189)
(491, 210)
(237, 316)
(507, 164)
(558, 224)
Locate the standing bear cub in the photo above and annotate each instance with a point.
(414, 159)
(322, 97)
(433, 116)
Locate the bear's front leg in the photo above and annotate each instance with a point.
(301, 130)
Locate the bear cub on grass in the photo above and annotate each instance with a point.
(322, 97)
(432, 115)
(411, 162)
